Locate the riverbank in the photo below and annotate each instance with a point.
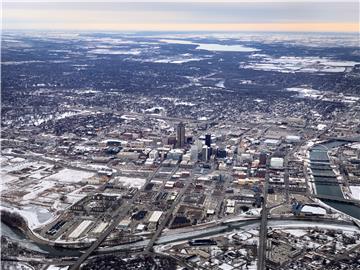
(17, 224)
(14, 220)
(324, 185)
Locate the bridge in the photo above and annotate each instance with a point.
(117, 216)
(345, 139)
(336, 199)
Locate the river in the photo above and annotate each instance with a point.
(320, 165)
(319, 162)
(20, 238)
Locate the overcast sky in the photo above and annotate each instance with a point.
(235, 15)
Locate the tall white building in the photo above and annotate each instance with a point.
(205, 152)
(194, 151)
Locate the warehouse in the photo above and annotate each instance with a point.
(100, 228)
(80, 229)
(155, 216)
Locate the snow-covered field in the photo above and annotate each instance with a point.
(6, 178)
(50, 182)
(114, 52)
(212, 47)
(220, 84)
(290, 64)
(39, 185)
(34, 215)
(225, 48)
(306, 92)
(35, 191)
(175, 60)
(70, 176)
(11, 167)
(131, 181)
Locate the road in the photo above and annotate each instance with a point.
(286, 177)
(263, 224)
(168, 215)
(183, 234)
(117, 216)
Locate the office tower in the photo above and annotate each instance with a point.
(180, 131)
(205, 153)
(208, 140)
(221, 153)
(194, 153)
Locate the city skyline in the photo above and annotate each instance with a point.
(180, 135)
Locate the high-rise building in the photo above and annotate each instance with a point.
(221, 153)
(208, 140)
(180, 135)
(205, 153)
(194, 152)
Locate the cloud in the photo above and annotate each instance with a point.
(177, 1)
(298, 15)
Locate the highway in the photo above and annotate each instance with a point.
(117, 216)
(263, 224)
(286, 177)
(183, 234)
(168, 215)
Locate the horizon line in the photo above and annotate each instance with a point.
(240, 27)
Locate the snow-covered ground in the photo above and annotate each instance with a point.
(252, 212)
(34, 215)
(321, 126)
(220, 84)
(179, 59)
(70, 176)
(16, 266)
(313, 209)
(184, 103)
(304, 225)
(212, 47)
(35, 191)
(355, 146)
(290, 64)
(306, 92)
(296, 232)
(131, 181)
(114, 52)
(225, 48)
(53, 267)
(355, 192)
(6, 178)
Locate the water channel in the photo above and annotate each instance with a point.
(325, 179)
(320, 165)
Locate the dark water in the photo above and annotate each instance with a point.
(20, 238)
(318, 155)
